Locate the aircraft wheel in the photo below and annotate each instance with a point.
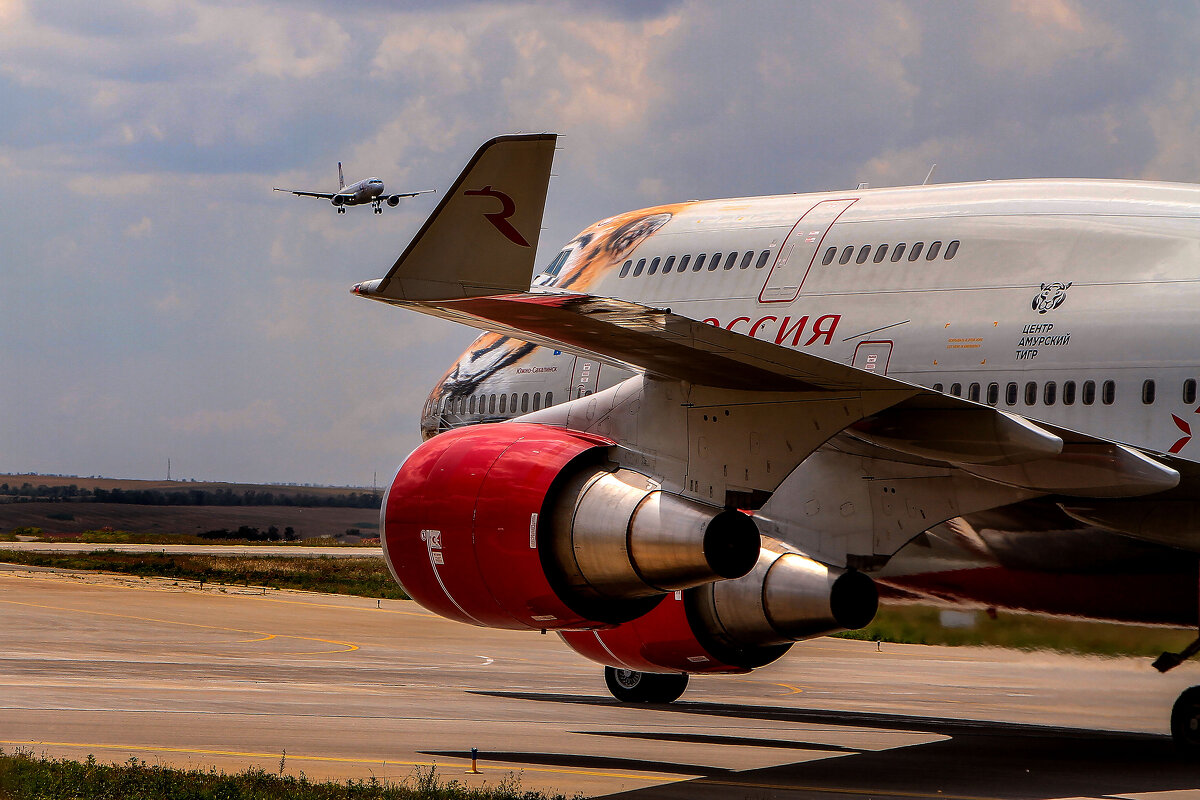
(1185, 723)
(630, 686)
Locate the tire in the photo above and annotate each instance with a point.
(1185, 723)
(629, 686)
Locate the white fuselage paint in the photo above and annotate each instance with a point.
(364, 191)
(1062, 282)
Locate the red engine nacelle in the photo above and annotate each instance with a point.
(522, 525)
(737, 625)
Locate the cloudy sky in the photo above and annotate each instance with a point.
(159, 301)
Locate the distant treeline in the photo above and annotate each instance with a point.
(188, 497)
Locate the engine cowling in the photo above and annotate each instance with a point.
(393, 200)
(737, 625)
(521, 525)
(338, 200)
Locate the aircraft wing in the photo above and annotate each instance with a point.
(301, 193)
(409, 194)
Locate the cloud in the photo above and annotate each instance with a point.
(140, 229)
(257, 417)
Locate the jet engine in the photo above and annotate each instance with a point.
(393, 200)
(521, 525)
(338, 200)
(737, 625)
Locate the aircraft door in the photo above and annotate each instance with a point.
(799, 250)
(873, 356)
(584, 377)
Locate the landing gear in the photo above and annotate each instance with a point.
(1185, 723)
(341, 210)
(629, 686)
(1185, 715)
(378, 206)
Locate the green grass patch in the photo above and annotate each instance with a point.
(25, 777)
(364, 577)
(917, 624)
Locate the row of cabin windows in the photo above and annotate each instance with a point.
(1085, 392)
(881, 252)
(496, 404)
(681, 263)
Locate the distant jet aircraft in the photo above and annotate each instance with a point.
(369, 190)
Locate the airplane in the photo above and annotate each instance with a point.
(711, 429)
(368, 190)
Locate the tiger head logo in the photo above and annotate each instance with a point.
(1050, 297)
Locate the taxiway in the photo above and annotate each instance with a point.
(347, 687)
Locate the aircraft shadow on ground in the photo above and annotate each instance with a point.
(977, 759)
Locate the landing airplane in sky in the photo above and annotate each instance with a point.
(727, 424)
(368, 190)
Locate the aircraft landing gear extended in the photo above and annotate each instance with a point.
(341, 210)
(1185, 715)
(629, 686)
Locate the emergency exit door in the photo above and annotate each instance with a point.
(584, 377)
(799, 251)
(873, 356)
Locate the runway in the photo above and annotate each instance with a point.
(340, 687)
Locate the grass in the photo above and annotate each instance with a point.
(365, 577)
(910, 623)
(905, 623)
(127, 537)
(25, 777)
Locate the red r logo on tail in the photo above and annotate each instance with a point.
(500, 218)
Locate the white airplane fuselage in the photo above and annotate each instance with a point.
(359, 192)
(992, 291)
(1070, 302)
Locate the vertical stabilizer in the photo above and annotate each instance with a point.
(482, 238)
(341, 178)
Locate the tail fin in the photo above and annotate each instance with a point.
(482, 238)
(341, 178)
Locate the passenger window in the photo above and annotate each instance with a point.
(847, 254)
(524, 402)
(641, 265)
(1050, 394)
(1010, 394)
(746, 260)
(898, 253)
(625, 268)
(863, 252)
(937, 387)
(503, 404)
(1031, 394)
(492, 404)
(973, 392)
(951, 250)
(653, 266)
(1089, 392)
(829, 254)
(1189, 391)
(762, 259)
(933, 251)
(916, 251)
(683, 262)
(729, 261)
(956, 389)
(1069, 393)
(550, 395)
(537, 400)
(1148, 392)
(880, 252)
(699, 263)
(512, 403)
(472, 411)
(993, 394)
(1108, 393)
(669, 263)
(715, 262)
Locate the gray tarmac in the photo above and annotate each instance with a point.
(343, 687)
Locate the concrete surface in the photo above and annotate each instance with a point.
(124, 667)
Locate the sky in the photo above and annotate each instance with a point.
(158, 301)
